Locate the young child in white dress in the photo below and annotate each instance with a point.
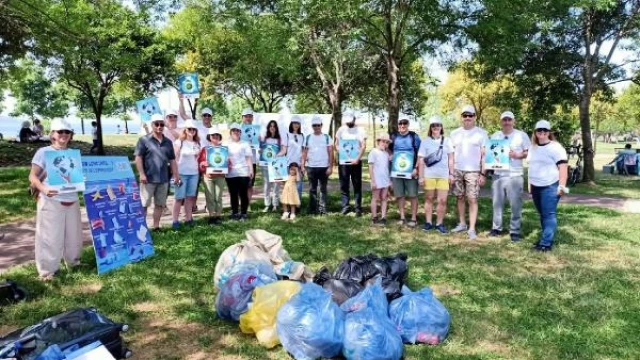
(380, 179)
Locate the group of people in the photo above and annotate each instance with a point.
(30, 134)
(172, 153)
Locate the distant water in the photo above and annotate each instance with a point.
(10, 127)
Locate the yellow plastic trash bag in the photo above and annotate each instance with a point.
(261, 317)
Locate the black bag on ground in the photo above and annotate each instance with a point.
(11, 293)
(76, 328)
(363, 269)
(340, 289)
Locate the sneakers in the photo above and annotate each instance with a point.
(345, 210)
(292, 217)
(441, 229)
(243, 218)
(382, 222)
(358, 213)
(175, 224)
(374, 220)
(401, 222)
(234, 216)
(427, 227)
(459, 228)
(472, 234)
(285, 215)
(542, 248)
(515, 237)
(267, 209)
(495, 233)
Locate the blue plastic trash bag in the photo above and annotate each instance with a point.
(53, 352)
(311, 325)
(369, 334)
(420, 317)
(235, 293)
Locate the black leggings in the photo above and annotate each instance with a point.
(238, 187)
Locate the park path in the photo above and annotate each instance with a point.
(17, 245)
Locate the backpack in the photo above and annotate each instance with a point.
(415, 146)
(306, 140)
(10, 292)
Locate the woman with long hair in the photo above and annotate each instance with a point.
(187, 149)
(272, 189)
(547, 180)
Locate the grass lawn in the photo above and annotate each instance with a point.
(582, 301)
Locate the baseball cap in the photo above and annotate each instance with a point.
(235, 126)
(435, 120)
(316, 120)
(206, 111)
(468, 109)
(349, 116)
(383, 137)
(507, 114)
(58, 124)
(215, 129)
(156, 117)
(296, 118)
(543, 124)
(189, 124)
(247, 112)
(171, 112)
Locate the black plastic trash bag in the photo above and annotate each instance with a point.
(310, 325)
(420, 317)
(363, 269)
(368, 331)
(340, 289)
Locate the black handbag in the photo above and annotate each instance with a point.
(436, 157)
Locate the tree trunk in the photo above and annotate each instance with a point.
(126, 126)
(393, 93)
(82, 124)
(373, 124)
(587, 144)
(98, 112)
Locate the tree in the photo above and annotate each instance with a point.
(626, 110)
(567, 48)
(112, 44)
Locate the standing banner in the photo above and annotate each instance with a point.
(251, 135)
(349, 150)
(217, 160)
(402, 164)
(116, 217)
(147, 107)
(188, 85)
(497, 154)
(64, 169)
(268, 152)
(278, 169)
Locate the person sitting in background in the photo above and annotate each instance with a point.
(38, 128)
(27, 135)
(626, 161)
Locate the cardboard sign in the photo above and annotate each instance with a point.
(147, 107)
(268, 153)
(188, 85)
(402, 164)
(349, 150)
(251, 135)
(497, 154)
(218, 160)
(278, 169)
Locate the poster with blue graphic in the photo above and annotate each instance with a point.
(116, 217)
(251, 135)
(402, 164)
(217, 160)
(268, 152)
(64, 170)
(188, 85)
(497, 154)
(147, 107)
(278, 169)
(348, 151)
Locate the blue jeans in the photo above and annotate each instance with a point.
(299, 185)
(546, 199)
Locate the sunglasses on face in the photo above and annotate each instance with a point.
(65, 132)
(206, 115)
(172, 117)
(316, 125)
(404, 123)
(467, 116)
(192, 129)
(158, 124)
(235, 130)
(542, 130)
(507, 119)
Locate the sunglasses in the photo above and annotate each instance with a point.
(316, 125)
(542, 130)
(507, 119)
(172, 116)
(206, 115)
(192, 129)
(403, 123)
(158, 124)
(468, 115)
(65, 132)
(236, 130)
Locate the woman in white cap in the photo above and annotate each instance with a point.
(292, 145)
(58, 226)
(547, 179)
(187, 149)
(435, 172)
(240, 173)
(213, 183)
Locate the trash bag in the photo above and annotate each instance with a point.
(311, 325)
(363, 269)
(368, 332)
(420, 317)
(265, 303)
(235, 293)
(340, 289)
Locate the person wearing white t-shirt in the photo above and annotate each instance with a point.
(435, 172)
(469, 172)
(187, 149)
(508, 184)
(380, 178)
(247, 119)
(547, 179)
(240, 173)
(292, 146)
(317, 158)
(351, 172)
(271, 190)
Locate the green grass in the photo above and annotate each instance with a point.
(15, 201)
(582, 301)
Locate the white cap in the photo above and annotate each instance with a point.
(156, 117)
(316, 120)
(214, 130)
(247, 112)
(171, 112)
(297, 119)
(543, 124)
(59, 124)
(349, 116)
(206, 111)
(468, 109)
(403, 117)
(435, 119)
(235, 126)
(507, 114)
(189, 124)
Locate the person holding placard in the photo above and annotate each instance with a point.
(435, 161)
(187, 149)
(317, 158)
(351, 142)
(507, 184)
(247, 119)
(292, 146)
(271, 147)
(58, 225)
(469, 169)
(404, 169)
(214, 179)
(240, 173)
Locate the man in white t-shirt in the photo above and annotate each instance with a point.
(247, 119)
(351, 172)
(469, 172)
(317, 159)
(508, 184)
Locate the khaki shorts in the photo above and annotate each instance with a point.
(404, 187)
(466, 184)
(436, 184)
(157, 192)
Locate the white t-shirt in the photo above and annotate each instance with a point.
(543, 163)
(202, 134)
(518, 142)
(318, 155)
(188, 157)
(38, 159)
(293, 142)
(354, 133)
(380, 161)
(430, 146)
(468, 146)
(238, 152)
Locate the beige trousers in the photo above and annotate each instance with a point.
(58, 235)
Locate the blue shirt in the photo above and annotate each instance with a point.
(403, 142)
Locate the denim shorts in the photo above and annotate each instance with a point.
(189, 187)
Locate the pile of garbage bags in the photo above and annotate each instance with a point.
(363, 310)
